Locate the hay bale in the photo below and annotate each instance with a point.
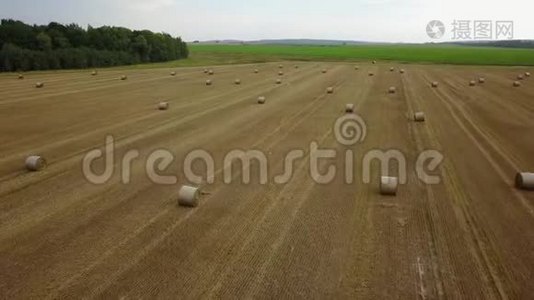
(210, 72)
(389, 185)
(524, 181)
(237, 81)
(163, 105)
(296, 67)
(256, 71)
(261, 100)
(349, 108)
(419, 116)
(21, 76)
(39, 85)
(527, 74)
(278, 81)
(402, 71)
(472, 83)
(371, 74)
(435, 84)
(173, 73)
(35, 163)
(356, 68)
(324, 71)
(94, 73)
(206, 71)
(188, 196)
(392, 90)
(124, 77)
(520, 77)
(391, 69)
(280, 73)
(280, 66)
(481, 80)
(517, 84)
(374, 62)
(208, 82)
(330, 90)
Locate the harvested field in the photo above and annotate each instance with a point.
(470, 236)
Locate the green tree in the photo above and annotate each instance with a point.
(44, 42)
(141, 48)
(57, 46)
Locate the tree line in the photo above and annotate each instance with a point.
(499, 43)
(25, 47)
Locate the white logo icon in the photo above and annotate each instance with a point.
(435, 29)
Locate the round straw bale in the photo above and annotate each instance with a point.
(527, 74)
(371, 74)
(35, 163)
(94, 73)
(237, 81)
(173, 73)
(39, 85)
(261, 100)
(349, 108)
(374, 62)
(472, 83)
(21, 76)
(520, 77)
(402, 71)
(517, 83)
(206, 71)
(256, 71)
(419, 116)
(188, 196)
(208, 82)
(163, 105)
(389, 185)
(280, 66)
(391, 69)
(435, 84)
(124, 77)
(210, 72)
(324, 71)
(481, 80)
(296, 66)
(356, 68)
(278, 81)
(280, 73)
(524, 181)
(330, 90)
(392, 90)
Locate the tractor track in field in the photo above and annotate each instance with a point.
(481, 245)
(467, 237)
(298, 118)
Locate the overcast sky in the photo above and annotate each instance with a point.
(365, 20)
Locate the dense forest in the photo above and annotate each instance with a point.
(55, 46)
